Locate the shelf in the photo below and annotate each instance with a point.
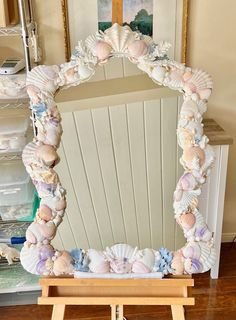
(10, 156)
(15, 30)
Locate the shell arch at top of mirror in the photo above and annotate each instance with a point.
(40, 156)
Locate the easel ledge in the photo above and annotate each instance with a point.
(174, 291)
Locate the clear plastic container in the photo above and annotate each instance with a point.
(13, 133)
(16, 187)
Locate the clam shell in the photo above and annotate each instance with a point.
(187, 220)
(146, 257)
(119, 37)
(29, 258)
(190, 153)
(140, 267)
(44, 77)
(208, 256)
(48, 230)
(189, 110)
(45, 213)
(192, 250)
(137, 48)
(177, 263)
(121, 251)
(158, 74)
(46, 154)
(98, 262)
(187, 182)
(34, 233)
(63, 264)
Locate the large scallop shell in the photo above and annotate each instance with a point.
(121, 251)
(119, 38)
(44, 77)
(200, 82)
(29, 257)
(99, 48)
(39, 154)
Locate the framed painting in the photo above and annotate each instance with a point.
(156, 18)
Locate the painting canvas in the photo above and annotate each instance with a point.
(137, 14)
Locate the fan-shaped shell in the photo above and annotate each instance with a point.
(28, 154)
(119, 38)
(200, 82)
(121, 251)
(44, 78)
(29, 257)
(208, 256)
(120, 265)
(175, 79)
(188, 199)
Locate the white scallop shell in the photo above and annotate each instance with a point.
(29, 257)
(190, 110)
(119, 37)
(29, 152)
(188, 199)
(208, 256)
(120, 251)
(44, 78)
(200, 83)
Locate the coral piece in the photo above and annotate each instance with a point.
(11, 254)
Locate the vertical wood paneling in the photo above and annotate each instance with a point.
(117, 167)
(168, 152)
(101, 123)
(152, 117)
(82, 204)
(124, 173)
(70, 232)
(86, 136)
(135, 112)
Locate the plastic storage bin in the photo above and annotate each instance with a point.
(13, 133)
(16, 187)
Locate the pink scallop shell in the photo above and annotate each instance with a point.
(139, 267)
(137, 48)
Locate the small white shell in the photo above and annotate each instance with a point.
(29, 258)
(158, 74)
(85, 72)
(147, 257)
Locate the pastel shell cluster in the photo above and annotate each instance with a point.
(40, 157)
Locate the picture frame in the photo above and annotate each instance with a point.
(171, 25)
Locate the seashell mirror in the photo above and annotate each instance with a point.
(40, 156)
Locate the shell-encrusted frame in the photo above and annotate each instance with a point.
(198, 255)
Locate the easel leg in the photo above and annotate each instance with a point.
(177, 312)
(120, 312)
(113, 312)
(58, 312)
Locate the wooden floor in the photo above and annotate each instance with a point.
(215, 300)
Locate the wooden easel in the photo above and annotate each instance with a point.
(59, 292)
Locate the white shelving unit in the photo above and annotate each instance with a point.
(25, 289)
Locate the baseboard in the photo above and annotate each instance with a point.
(228, 237)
